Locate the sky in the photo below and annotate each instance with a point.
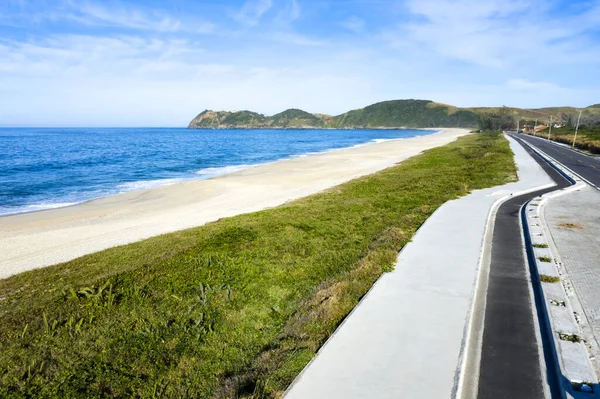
(157, 63)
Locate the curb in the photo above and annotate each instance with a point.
(575, 371)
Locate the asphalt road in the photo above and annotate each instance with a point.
(585, 166)
(510, 358)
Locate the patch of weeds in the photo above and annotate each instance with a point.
(545, 259)
(557, 303)
(540, 245)
(570, 337)
(544, 278)
(389, 267)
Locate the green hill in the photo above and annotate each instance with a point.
(397, 114)
(226, 119)
(406, 113)
(296, 118)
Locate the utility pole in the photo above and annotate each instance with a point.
(577, 128)
(550, 127)
(518, 125)
(534, 126)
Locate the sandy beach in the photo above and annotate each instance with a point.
(39, 239)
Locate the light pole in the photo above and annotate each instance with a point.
(535, 126)
(550, 127)
(577, 128)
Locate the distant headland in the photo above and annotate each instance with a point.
(395, 114)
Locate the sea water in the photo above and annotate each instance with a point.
(52, 167)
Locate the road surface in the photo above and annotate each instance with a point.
(585, 166)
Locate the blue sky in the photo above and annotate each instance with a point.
(159, 63)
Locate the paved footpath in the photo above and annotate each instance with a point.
(574, 222)
(405, 339)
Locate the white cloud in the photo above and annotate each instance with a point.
(127, 80)
(290, 13)
(493, 33)
(354, 24)
(293, 38)
(120, 15)
(114, 13)
(252, 11)
(148, 68)
(527, 85)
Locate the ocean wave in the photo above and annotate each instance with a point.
(34, 207)
(207, 173)
(147, 184)
(381, 140)
(145, 162)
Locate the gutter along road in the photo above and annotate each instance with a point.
(510, 352)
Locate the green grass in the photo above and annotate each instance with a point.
(540, 245)
(545, 259)
(544, 278)
(588, 137)
(235, 308)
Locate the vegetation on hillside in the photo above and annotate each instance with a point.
(235, 308)
(397, 114)
(405, 113)
(211, 119)
(296, 118)
(588, 137)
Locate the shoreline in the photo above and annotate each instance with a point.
(40, 207)
(42, 238)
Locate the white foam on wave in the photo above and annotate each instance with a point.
(40, 206)
(201, 174)
(147, 184)
(383, 140)
(207, 173)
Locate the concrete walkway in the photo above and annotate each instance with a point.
(406, 337)
(574, 223)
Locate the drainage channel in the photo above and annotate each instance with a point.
(510, 364)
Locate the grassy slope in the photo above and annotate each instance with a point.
(235, 307)
(588, 138)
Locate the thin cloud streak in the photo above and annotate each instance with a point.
(252, 11)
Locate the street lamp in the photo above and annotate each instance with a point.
(550, 129)
(535, 126)
(577, 128)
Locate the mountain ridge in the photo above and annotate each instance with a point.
(393, 114)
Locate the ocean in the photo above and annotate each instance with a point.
(51, 167)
